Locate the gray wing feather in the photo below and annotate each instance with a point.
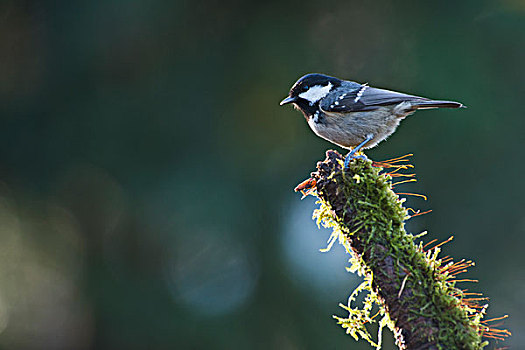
(366, 99)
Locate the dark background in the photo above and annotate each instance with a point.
(147, 170)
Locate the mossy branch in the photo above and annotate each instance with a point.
(413, 288)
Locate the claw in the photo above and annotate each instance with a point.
(353, 156)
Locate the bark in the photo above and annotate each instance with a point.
(425, 316)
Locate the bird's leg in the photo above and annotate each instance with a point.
(352, 153)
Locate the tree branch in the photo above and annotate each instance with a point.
(414, 289)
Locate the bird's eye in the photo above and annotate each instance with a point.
(305, 87)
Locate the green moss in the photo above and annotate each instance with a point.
(368, 219)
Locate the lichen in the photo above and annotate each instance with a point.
(412, 288)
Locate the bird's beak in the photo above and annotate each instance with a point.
(287, 100)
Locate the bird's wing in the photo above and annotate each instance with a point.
(366, 98)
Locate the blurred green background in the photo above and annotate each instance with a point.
(147, 170)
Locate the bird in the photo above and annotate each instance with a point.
(352, 115)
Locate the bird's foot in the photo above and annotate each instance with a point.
(351, 155)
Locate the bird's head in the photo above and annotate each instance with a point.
(306, 93)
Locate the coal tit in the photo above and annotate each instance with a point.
(353, 115)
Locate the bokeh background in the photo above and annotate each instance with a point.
(147, 170)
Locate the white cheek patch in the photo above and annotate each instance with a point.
(315, 93)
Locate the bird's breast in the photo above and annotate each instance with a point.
(334, 129)
(350, 129)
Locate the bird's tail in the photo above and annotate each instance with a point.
(436, 104)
